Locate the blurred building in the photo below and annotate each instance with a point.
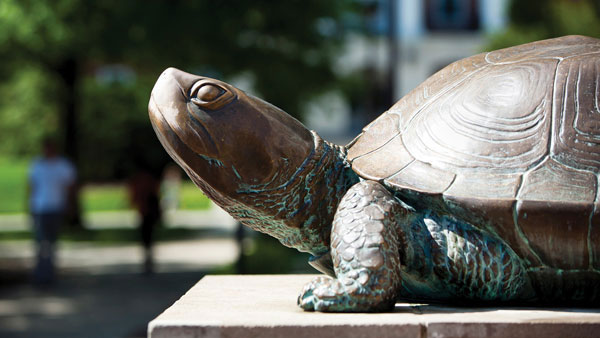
(434, 33)
(399, 43)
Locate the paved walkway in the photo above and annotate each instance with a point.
(91, 305)
(101, 291)
(212, 217)
(91, 258)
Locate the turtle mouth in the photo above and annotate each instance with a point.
(173, 122)
(195, 164)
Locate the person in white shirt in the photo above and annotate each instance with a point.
(51, 180)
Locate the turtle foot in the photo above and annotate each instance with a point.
(331, 295)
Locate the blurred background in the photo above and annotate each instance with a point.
(80, 72)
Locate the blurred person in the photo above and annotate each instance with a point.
(51, 179)
(171, 184)
(144, 196)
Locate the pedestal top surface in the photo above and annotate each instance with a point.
(265, 305)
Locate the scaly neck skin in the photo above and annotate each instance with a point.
(299, 212)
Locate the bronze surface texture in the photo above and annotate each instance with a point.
(480, 185)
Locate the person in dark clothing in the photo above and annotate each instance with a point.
(144, 196)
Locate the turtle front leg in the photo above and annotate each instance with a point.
(364, 249)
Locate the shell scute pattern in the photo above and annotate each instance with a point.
(496, 122)
(383, 129)
(567, 184)
(475, 128)
(576, 132)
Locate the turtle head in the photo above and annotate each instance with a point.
(224, 138)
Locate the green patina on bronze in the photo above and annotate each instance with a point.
(481, 185)
(308, 199)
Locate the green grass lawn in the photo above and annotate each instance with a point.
(105, 197)
(13, 178)
(109, 236)
(115, 197)
(191, 197)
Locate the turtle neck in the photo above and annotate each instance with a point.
(299, 212)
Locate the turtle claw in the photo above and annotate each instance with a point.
(307, 300)
(322, 294)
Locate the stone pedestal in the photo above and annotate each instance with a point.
(265, 306)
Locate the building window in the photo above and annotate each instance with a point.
(452, 15)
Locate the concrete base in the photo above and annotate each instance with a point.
(265, 306)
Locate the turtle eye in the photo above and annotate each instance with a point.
(209, 95)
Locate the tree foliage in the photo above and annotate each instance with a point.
(54, 52)
(533, 20)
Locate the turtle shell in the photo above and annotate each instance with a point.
(508, 140)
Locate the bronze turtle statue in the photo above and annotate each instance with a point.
(479, 185)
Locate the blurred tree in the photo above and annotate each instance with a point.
(85, 69)
(533, 20)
